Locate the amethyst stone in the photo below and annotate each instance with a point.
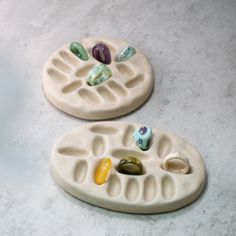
(143, 130)
(102, 53)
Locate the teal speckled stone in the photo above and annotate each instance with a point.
(77, 49)
(125, 54)
(143, 137)
(99, 74)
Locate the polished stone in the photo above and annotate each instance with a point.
(102, 53)
(78, 49)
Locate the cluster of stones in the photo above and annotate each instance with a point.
(100, 73)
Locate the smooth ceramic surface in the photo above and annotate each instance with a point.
(65, 80)
(77, 154)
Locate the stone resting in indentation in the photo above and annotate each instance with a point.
(65, 82)
(75, 158)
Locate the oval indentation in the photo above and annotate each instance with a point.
(117, 88)
(121, 153)
(128, 136)
(175, 165)
(107, 95)
(98, 146)
(114, 186)
(164, 147)
(80, 171)
(61, 65)
(99, 129)
(83, 71)
(168, 187)
(126, 70)
(149, 189)
(72, 87)
(135, 82)
(73, 151)
(57, 76)
(69, 58)
(132, 190)
(89, 96)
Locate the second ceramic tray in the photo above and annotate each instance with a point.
(77, 154)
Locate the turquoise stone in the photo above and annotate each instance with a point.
(125, 54)
(143, 137)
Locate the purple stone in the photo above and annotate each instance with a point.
(143, 130)
(102, 53)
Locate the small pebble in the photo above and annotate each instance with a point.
(130, 166)
(98, 74)
(102, 53)
(143, 137)
(125, 54)
(103, 171)
(77, 49)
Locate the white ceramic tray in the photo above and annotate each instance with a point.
(65, 82)
(75, 157)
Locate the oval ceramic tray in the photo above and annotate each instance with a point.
(77, 154)
(65, 82)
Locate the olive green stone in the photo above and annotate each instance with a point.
(77, 49)
(130, 166)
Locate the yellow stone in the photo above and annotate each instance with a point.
(103, 171)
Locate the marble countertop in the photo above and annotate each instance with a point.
(192, 48)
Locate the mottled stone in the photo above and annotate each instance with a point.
(99, 74)
(125, 54)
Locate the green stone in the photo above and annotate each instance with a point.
(99, 74)
(77, 49)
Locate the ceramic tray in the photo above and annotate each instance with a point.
(76, 155)
(65, 82)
